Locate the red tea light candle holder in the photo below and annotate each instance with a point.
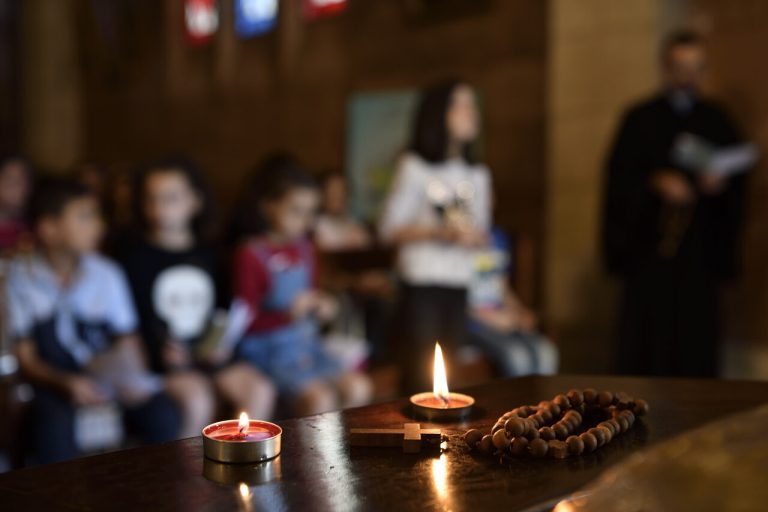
(441, 404)
(242, 441)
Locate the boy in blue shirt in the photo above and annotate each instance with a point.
(499, 324)
(71, 313)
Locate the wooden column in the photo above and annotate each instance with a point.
(51, 83)
(290, 34)
(226, 48)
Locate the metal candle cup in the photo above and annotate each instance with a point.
(440, 404)
(231, 441)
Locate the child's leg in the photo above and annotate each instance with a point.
(247, 389)
(157, 420)
(314, 398)
(193, 393)
(355, 389)
(547, 354)
(507, 351)
(53, 431)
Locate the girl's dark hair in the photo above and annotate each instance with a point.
(271, 180)
(201, 223)
(430, 134)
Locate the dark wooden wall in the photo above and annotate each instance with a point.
(142, 92)
(10, 66)
(737, 40)
(228, 104)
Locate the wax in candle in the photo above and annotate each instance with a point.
(437, 403)
(230, 431)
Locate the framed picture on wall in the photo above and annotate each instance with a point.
(378, 128)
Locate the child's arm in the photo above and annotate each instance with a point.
(524, 319)
(82, 390)
(324, 306)
(399, 224)
(513, 315)
(131, 343)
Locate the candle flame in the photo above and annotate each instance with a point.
(440, 381)
(244, 490)
(243, 422)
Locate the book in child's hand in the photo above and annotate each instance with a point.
(121, 374)
(226, 329)
(701, 156)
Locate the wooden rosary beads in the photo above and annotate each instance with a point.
(550, 427)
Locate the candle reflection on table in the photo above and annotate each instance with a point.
(245, 498)
(440, 476)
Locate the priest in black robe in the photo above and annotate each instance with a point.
(671, 232)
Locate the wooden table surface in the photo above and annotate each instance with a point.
(317, 470)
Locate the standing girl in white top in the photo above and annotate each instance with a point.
(437, 214)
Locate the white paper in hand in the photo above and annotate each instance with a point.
(701, 156)
(238, 320)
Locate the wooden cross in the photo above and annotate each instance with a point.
(411, 437)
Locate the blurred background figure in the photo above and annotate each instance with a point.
(672, 223)
(275, 274)
(173, 271)
(71, 313)
(437, 214)
(357, 270)
(336, 230)
(15, 187)
(499, 324)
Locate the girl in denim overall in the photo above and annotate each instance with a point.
(274, 274)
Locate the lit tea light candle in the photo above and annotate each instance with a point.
(441, 404)
(242, 440)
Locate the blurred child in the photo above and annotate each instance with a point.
(499, 323)
(275, 275)
(336, 230)
(437, 214)
(71, 310)
(365, 289)
(15, 187)
(172, 272)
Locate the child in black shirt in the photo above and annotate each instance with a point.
(172, 275)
